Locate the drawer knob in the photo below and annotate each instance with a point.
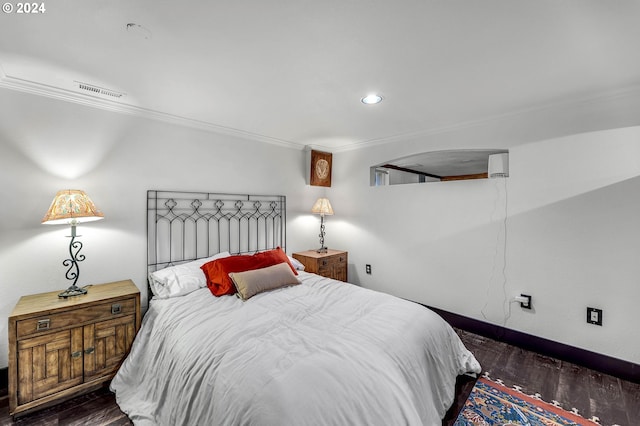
(116, 308)
(76, 354)
(43, 324)
(324, 263)
(89, 350)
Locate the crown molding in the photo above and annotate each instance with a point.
(40, 89)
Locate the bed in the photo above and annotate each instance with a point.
(308, 351)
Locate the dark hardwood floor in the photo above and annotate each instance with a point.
(97, 408)
(614, 401)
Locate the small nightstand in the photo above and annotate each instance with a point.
(332, 264)
(59, 348)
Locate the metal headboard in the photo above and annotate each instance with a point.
(185, 226)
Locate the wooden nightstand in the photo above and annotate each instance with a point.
(332, 264)
(59, 348)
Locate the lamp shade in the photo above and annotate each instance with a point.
(71, 206)
(322, 206)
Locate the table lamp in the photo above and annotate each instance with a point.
(322, 207)
(72, 206)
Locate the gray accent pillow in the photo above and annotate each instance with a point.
(250, 283)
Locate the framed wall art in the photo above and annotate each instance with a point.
(320, 168)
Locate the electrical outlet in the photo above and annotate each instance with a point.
(367, 268)
(594, 316)
(527, 304)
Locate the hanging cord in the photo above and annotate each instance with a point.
(506, 304)
(502, 232)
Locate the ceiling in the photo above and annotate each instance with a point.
(293, 72)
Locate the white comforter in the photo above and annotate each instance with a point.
(320, 353)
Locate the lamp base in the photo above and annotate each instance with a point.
(72, 291)
(321, 250)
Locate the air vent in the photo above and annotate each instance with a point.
(96, 90)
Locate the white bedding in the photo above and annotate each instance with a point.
(319, 353)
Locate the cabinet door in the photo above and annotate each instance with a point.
(333, 267)
(49, 363)
(325, 267)
(341, 267)
(106, 343)
(340, 271)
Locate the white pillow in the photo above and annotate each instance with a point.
(181, 279)
(296, 263)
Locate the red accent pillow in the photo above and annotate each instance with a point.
(217, 271)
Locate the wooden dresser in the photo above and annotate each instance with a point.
(59, 348)
(332, 264)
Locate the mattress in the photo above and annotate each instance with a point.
(319, 353)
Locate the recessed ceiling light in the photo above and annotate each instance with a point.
(371, 99)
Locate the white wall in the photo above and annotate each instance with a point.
(47, 145)
(570, 213)
(573, 210)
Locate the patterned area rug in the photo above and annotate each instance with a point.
(491, 403)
